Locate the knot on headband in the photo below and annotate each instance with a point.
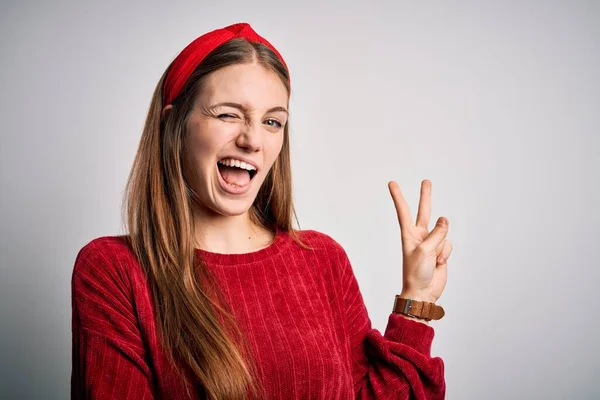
(184, 64)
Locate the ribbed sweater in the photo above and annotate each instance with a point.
(300, 310)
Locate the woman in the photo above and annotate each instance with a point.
(213, 294)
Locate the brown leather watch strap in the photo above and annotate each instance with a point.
(419, 309)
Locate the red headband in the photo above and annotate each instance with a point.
(184, 64)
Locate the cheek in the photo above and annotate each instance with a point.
(197, 150)
(205, 141)
(275, 145)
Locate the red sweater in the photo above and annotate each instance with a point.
(301, 310)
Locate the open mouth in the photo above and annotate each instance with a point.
(236, 173)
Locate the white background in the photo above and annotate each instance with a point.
(497, 103)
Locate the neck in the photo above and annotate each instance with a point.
(229, 234)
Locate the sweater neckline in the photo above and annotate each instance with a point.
(245, 258)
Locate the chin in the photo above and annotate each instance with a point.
(232, 208)
(234, 211)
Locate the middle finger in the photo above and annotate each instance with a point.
(424, 212)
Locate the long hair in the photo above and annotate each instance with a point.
(196, 328)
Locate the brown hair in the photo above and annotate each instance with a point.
(158, 206)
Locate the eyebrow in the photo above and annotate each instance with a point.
(244, 109)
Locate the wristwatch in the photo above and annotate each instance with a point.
(418, 309)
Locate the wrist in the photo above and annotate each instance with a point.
(415, 295)
(417, 306)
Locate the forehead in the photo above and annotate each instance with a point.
(248, 84)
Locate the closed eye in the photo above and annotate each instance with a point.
(226, 116)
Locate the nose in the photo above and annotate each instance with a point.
(250, 138)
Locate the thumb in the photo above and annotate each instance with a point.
(437, 235)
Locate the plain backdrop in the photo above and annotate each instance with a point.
(497, 103)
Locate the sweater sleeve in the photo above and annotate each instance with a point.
(395, 365)
(107, 349)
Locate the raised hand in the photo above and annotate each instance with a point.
(424, 254)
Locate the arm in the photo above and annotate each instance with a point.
(396, 365)
(108, 357)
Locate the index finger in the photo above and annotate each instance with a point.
(401, 205)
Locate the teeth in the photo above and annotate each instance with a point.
(230, 162)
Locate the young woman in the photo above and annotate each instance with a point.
(213, 293)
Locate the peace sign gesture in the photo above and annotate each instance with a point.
(424, 253)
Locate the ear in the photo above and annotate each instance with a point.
(165, 112)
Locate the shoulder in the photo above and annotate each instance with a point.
(103, 250)
(106, 260)
(109, 294)
(320, 241)
(328, 259)
(104, 245)
(323, 246)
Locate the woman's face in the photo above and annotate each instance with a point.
(234, 135)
